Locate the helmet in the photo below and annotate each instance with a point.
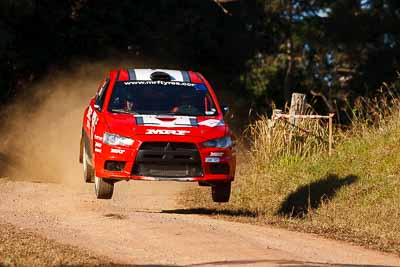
(129, 98)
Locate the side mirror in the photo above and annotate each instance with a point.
(225, 110)
(97, 107)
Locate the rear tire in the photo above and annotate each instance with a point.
(103, 188)
(88, 172)
(221, 192)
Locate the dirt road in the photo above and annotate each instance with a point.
(143, 225)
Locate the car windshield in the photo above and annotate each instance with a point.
(161, 98)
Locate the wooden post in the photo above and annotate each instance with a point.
(297, 106)
(330, 132)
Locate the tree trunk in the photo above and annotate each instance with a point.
(287, 86)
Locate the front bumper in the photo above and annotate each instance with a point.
(209, 165)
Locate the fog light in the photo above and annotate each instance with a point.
(219, 168)
(112, 165)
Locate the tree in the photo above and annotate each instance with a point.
(334, 50)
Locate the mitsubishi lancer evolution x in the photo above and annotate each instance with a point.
(148, 124)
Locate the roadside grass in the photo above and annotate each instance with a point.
(354, 195)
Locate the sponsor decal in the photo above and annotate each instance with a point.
(99, 138)
(97, 144)
(167, 131)
(117, 151)
(98, 150)
(212, 123)
(216, 154)
(167, 121)
(212, 160)
(159, 83)
(93, 122)
(89, 113)
(200, 87)
(89, 117)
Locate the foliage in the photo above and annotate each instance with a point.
(257, 52)
(336, 50)
(38, 35)
(259, 77)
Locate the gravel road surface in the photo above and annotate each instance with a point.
(142, 225)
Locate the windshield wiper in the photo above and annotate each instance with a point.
(123, 111)
(186, 114)
(160, 113)
(173, 114)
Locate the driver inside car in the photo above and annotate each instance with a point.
(123, 104)
(129, 104)
(185, 105)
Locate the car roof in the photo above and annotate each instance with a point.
(145, 74)
(133, 74)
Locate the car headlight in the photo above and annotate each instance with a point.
(223, 142)
(117, 140)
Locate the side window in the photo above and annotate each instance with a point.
(101, 95)
(209, 105)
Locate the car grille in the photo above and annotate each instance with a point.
(168, 159)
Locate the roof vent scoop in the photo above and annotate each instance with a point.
(160, 76)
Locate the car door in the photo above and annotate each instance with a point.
(94, 112)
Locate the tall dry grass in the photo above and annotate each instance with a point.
(286, 177)
(272, 140)
(376, 111)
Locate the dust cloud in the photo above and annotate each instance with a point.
(41, 132)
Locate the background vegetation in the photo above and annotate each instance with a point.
(256, 52)
(287, 178)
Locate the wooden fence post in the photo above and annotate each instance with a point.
(330, 133)
(296, 111)
(297, 106)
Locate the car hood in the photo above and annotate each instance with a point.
(162, 127)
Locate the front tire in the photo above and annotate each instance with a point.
(103, 188)
(88, 172)
(221, 192)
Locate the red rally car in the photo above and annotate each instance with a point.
(146, 124)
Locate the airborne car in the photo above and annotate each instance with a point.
(146, 124)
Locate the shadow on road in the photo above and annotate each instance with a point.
(205, 211)
(291, 263)
(309, 197)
